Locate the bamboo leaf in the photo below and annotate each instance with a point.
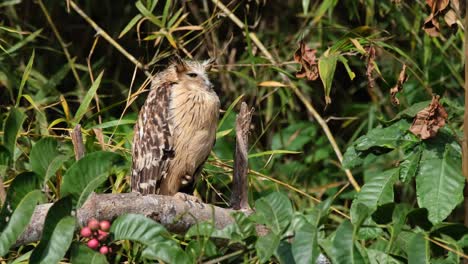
(87, 99)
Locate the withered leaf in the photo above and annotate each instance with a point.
(399, 86)
(431, 26)
(428, 121)
(437, 5)
(306, 57)
(451, 18)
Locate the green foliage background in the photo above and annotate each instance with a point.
(57, 72)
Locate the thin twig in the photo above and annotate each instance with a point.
(295, 89)
(109, 39)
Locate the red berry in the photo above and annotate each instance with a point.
(105, 225)
(86, 232)
(93, 224)
(104, 250)
(93, 243)
(102, 235)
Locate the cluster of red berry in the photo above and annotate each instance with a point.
(96, 234)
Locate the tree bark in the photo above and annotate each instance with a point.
(173, 213)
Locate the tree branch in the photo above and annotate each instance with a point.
(173, 213)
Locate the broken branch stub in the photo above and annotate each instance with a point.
(239, 197)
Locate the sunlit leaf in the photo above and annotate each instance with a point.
(12, 128)
(87, 99)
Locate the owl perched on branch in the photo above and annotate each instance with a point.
(175, 130)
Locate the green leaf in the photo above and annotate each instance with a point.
(351, 74)
(305, 247)
(88, 173)
(266, 246)
(379, 257)
(283, 253)
(137, 228)
(113, 123)
(418, 250)
(398, 220)
(274, 211)
(81, 254)
(167, 251)
(377, 191)
(25, 77)
(57, 235)
(351, 158)
(272, 152)
(305, 6)
(391, 137)
(439, 181)
(21, 186)
(410, 164)
(12, 128)
(148, 14)
(23, 42)
(130, 24)
(413, 110)
(42, 155)
(327, 67)
(5, 159)
(228, 112)
(18, 220)
(87, 99)
(343, 245)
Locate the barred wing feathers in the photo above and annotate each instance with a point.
(153, 142)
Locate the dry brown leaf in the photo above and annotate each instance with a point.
(437, 5)
(431, 26)
(306, 57)
(399, 86)
(451, 18)
(428, 121)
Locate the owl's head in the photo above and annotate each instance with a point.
(192, 74)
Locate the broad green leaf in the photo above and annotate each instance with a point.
(57, 244)
(57, 234)
(25, 77)
(393, 136)
(87, 99)
(197, 249)
(294, 137)
(22, 185)
(351, 158)
(266, 246)
(305, 247)
(327, 67)
(4, 160)
(17, 222)
(137, 228)
(344, 249)
(130, 24)
(439, 181)
(81, 254)
(410, 164)
(284, 254)
(88, 173)
(418, 250)
(377, 191)
(398, 220)
(274, 211)
(413, 110)
(204, 229)
(42, 155)
(12, 128)
(167, 251)
(379, 257)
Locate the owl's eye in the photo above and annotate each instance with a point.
(192, 75)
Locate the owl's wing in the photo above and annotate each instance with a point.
(152, 141)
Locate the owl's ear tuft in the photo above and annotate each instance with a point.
(208, 64)
(179, 63)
